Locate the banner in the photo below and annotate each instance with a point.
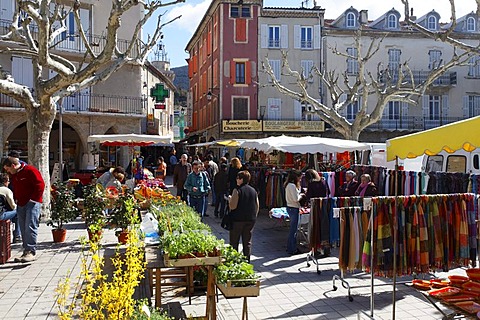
(241, 125)
(293, 126)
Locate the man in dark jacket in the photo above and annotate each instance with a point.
(220, 186)
(28, 187)
(180, 173)
(243, 211)
(350, 185)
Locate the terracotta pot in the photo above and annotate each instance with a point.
(59, 235)
(123, 237)
(94, 236)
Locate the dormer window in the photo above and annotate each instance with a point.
(350, 21)
(470, 24)
(392, 21)
(432, 23)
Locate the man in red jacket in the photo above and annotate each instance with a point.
(28, 186)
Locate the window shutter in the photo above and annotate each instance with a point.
(248, 72)
(297, 36)
(316, 37)
(466, 112)
(405, 107)
(297, 110)
(425, 110)
(226, 69)
(284, 36)
(253, 69)
(233, 72)
(264, 35)
(309, 72)
(445, 106)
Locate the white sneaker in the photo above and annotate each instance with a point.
(29, 257)
(19, 259)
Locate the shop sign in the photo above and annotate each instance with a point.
(293, 126)
(241, 125)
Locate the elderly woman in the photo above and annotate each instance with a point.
(366, 188)
(349, 187)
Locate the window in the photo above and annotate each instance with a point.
(245, 11)
(274, 36)
(456, 164)
(434, 163)
(434, 108)
(392, 21)
(275, 65)
(240, 108)
(352, 62)
(474, 67)
(274, 109)
(393, 110)
(394, 61)
(306, 35)
(350, 21)
(240, 72)
(434, 57)
(473, 106)
(234, 12)
(470, 24)
(352, 110)
(432, 23)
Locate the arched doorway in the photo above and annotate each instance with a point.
(72, 145)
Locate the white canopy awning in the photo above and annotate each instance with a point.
(130, 139)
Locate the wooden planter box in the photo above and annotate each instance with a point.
(190, 262)
(237, 292)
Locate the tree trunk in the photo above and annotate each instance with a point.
(39, 124)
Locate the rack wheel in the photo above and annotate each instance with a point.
(350, 298)
(308, 265)
(334, 288)
(319, 272)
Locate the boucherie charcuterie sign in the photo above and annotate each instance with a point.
(241, 125)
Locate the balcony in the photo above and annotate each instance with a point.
(72, 42)
(447, 79)
(82, 103)
(412, 123)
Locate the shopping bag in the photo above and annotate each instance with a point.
(227, 222)
(149, 227)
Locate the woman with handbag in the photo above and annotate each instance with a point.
(244, 207)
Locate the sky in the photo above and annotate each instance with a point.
(178, 33)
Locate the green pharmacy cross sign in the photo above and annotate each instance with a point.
(159, 93)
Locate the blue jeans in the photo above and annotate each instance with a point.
(28, 219)
(292, 235)
(198, 203)
(12, 215)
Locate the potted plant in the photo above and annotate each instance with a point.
(235, 277)
(62, 210)
(94, 210)
(123, 215)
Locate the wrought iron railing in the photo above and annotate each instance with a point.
(419, 77)
(91, 103)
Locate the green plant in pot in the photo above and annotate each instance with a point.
(190, 244)
(62, 209)
(94, 210)
(235, 268)
(123, 215)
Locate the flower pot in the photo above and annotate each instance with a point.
(94, 235)
(59, 235)
(123, 237)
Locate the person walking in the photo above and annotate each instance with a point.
(197, 186)
(244, 208)
(220, 187)
(293, 196)
(213, 167)
(28, 187)
(173, 161)
(233, 170)
(8, 206)
(180, 174)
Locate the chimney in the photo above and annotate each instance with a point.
(412, 17)
(363, 19)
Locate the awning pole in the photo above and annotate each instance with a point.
(395, 234)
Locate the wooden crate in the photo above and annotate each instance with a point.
(5, 237)
(191, 262)
(237, 292)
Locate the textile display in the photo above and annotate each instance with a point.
(353, 230)
(434, 232)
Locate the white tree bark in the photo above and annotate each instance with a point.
(41, 108)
